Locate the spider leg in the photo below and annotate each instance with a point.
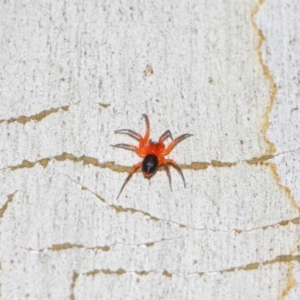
(130, 147)
(165, 135)
(125, 146)
(144, 141)
(169, 175)
(175, 142)
(175, 165)
(130, 132)
(133, 170)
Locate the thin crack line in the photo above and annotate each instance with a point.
(106, 248)
(286, 152)
(170, 273)
(88, 160)
(118, 209)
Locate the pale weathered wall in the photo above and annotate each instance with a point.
(72, 72)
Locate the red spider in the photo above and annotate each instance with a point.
(153, 153)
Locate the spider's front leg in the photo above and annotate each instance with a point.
(125, 146)
(165, 135)
(144, 140)
(175, 142)
(130, 132)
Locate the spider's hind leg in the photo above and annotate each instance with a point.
(169, 175)
(175, 165)
(133, 170)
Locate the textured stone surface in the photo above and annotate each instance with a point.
(72, 73)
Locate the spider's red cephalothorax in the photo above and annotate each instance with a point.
(153, 153)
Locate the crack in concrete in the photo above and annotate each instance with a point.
(256, 265)
(68, 246)
(284, 188)
(272, 149)
(37, 117)
(6, 204)
(116, 208)
(106, 248)
(88, 160)
(294, 221)
(286, 152)
(291, 281)
(121, 209)
(73, 283)
(170, 274)
(259, 160)
(268, 75)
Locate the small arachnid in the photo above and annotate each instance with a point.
(153, 153)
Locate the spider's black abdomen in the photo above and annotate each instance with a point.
(150, 165)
